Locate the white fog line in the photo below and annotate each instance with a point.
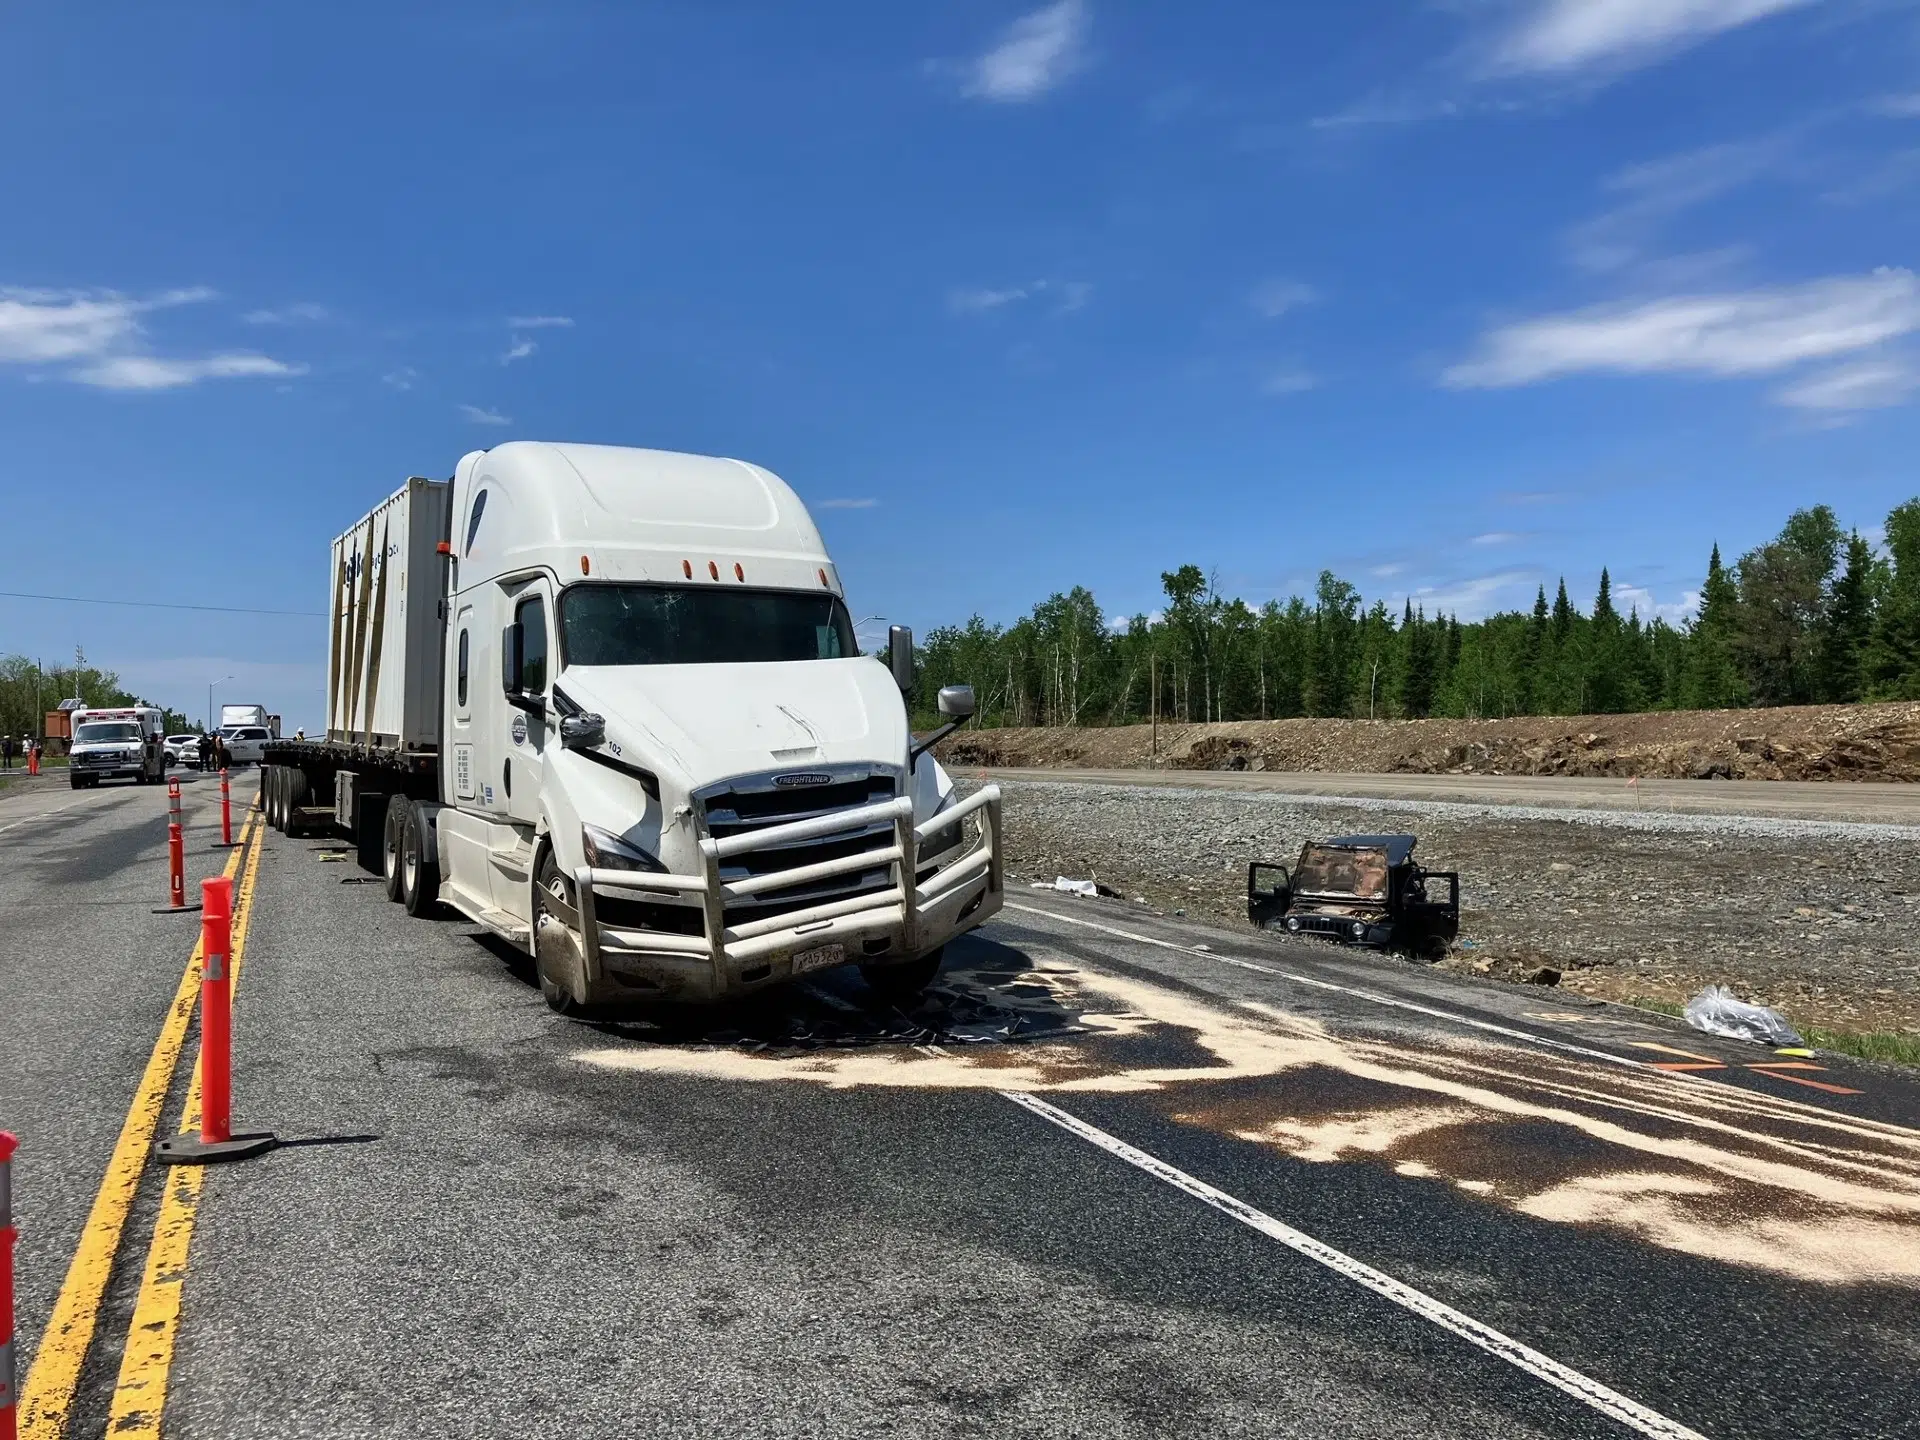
(1371, 996)
(1588, 1391)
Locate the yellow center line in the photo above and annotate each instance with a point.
(47, 1397)
(140, 1394)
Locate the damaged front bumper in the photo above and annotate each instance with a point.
(914, 916)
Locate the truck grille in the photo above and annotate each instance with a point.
(746, 805)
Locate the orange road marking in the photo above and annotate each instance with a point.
(1774, 1070)
(1705, 1060)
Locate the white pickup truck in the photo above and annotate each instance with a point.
(607, 703)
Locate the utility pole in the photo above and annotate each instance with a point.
(1153, 668)
(1373, 685)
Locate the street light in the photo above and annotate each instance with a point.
(210, 684)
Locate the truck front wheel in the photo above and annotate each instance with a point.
(559, 955)
(391, 831)
(903, 982)
(419, 869)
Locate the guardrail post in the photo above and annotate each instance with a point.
(176, 857)
(9, 1389)
(217, 1140)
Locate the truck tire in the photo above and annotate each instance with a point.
(558, 957)
(293, 794)
(419, 866)
(76, 782)
(390, 833)
(903, 982)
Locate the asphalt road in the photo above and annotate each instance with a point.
(1117, 1176)
(1882, 803)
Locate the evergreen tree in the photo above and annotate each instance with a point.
(1848, 628)
(1417, 669)
(1712, 679)
(1893, 655)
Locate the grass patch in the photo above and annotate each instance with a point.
(1890, 1046)
(1663, 1007)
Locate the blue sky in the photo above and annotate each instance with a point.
(1450, 297)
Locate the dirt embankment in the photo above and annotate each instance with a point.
(1808, 742)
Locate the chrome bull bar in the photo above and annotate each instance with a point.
(923, 914)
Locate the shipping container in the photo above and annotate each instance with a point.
(385, 658)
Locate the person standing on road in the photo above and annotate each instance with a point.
(206, 751)
(6, 752)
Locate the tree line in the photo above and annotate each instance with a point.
(28, 691)
(1815, 615)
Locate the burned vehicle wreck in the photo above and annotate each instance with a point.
(1361, 890)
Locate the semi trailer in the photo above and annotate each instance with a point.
(607, 704)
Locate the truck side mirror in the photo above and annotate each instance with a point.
(956, 701)
(583, 732)
(511, 640)
(900, 656)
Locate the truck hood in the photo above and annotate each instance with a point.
(700, 723)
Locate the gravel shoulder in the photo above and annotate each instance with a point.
(1820, 919)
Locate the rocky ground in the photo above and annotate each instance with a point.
(1808, 742)
(1820, 920)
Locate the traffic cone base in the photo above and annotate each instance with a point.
(189, 1149)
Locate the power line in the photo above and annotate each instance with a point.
(158, 605)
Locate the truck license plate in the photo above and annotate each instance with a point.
(821, 957)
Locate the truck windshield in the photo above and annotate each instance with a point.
(101, 732)
(698, 625)
(1337, 870)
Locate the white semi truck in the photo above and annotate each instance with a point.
(607, 704)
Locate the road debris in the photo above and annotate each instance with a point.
(1716, 1011)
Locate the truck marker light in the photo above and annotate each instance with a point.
(585, 568)
(443, 548)
(823, 581)
(686, 568)
(738, 573)
(713, 569)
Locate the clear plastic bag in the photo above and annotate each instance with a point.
(1716, 1011)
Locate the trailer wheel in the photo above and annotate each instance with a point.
(419, 871)
(390, 836)
(293, 794)
(903, 982)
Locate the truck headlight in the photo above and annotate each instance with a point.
(946, 837)
(1359, 928)
(607, 851)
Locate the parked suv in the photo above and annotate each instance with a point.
(246, 744)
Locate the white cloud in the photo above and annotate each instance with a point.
(1035, 54)
(1497, 537)
(302, 313)
(540, 322)
(1657, 190)
(1898, 107)
(1875, 384)
(1291, 381)
(1735, 333)
(519, 350)
(154, 372)
(401, 379)
(98, 333)
(1562, 36)
(481, 416)
(1387, 572)
(1472, 598)
(1273, 298)
(863, 503)
(972, 302)
(975, 300)
(1629, 598)
(1074, 295)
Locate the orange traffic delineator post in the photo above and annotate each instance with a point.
(176, 857)
(9, 1391)
(226, 812)
(216, 1140)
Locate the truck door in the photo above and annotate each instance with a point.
(523, 767)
